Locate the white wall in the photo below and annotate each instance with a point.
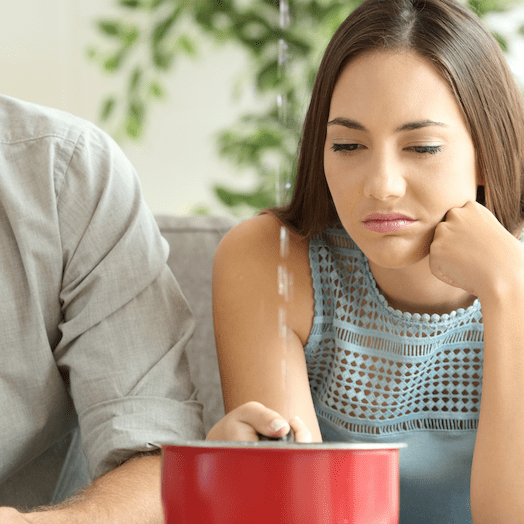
(43, 47)
(507, 24)
(43, 58)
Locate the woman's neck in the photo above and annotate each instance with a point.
(414, 289)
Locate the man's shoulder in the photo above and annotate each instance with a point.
(23, 121)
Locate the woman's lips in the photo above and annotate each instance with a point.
(386, 223)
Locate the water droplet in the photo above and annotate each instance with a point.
(284, 18)
(284, 242)
(283, 54)
(282, 108)
(282, 324)
(283, 283)
(284, 381)
(285, 278)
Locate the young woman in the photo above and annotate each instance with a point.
(405, 321)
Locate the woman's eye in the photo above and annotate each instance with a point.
(432, 150)
(345, 147)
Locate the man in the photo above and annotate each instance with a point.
(93, 374)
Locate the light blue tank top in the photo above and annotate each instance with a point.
(380, 375)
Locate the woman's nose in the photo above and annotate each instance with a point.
(384, 179)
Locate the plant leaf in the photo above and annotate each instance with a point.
(188, 45)
(130, 37)
(482, 7)
(114, 62)
(162, 28)
(136, 77)
(133, 4)
(257, 199)
(156, 91)
(268, 77)
(110, 27)
(108, 108)
(201, 209)
(156, 3)
(163, 59)
(135, 119)
(501, 40)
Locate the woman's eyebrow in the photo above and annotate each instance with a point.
(410, 126)
(346, 122)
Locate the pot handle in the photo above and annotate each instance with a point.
(290, 437)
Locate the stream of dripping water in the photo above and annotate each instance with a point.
(285, 278)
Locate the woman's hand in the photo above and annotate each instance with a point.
(244, 422)
(473, 251)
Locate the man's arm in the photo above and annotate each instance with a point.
(129, 494)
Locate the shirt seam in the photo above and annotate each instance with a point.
(47, 135)
(66, 170)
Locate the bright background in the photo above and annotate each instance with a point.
(44, 60)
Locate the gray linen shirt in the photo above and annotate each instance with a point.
(93, 323)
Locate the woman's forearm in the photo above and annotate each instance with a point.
(497, 477)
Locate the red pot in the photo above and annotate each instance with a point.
(293, 483)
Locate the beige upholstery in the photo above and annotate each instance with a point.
(193, 241)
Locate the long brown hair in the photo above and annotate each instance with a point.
(468, 58)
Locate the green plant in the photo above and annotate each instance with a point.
(151, 34)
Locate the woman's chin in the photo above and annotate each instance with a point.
(397, 252)
(397, 256)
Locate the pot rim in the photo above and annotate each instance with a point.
(319, 446)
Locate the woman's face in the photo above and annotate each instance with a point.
(398, 155)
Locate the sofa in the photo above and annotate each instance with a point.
(193, 241)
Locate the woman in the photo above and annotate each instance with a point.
(405, 218)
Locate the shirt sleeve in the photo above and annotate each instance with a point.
(125, 320)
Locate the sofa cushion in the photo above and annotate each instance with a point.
(193, 241)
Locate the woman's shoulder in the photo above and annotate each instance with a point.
(261, 238)
(253, 258)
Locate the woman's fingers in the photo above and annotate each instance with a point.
(302, 433)
(246, 421)
(262, 420)
(243, 424)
